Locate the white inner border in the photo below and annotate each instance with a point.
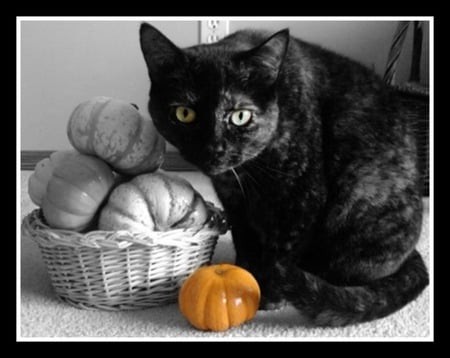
(20, 19)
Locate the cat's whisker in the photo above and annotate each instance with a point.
(261, 171)
(266, 168)
(239, 182)
(262, 164)
(257, 186)
(267, 174)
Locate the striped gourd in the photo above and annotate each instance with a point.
(153, 201)
(70, 187)
(115, 131)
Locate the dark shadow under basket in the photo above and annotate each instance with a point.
(120, 270)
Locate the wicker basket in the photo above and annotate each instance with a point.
(119, 270)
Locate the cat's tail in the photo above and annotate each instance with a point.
(324, 304)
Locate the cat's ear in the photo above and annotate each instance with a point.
(269, 55)
(159, 52)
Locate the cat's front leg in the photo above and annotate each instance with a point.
(251, 239)
(245, 240)
(258, 257)
(246, 243)
(271, 294)
(252, 255)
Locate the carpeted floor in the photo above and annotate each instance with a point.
(43, 316)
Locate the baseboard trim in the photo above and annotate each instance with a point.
(172, 161)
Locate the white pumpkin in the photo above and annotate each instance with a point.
(153, 201)
(116, 132)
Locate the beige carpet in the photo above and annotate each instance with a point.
(42, 316)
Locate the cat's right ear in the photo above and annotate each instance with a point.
(268, 57)
(159, 52)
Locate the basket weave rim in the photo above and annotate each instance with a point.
(34, 227)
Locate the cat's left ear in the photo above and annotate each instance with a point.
(160, 53)
(270, 54)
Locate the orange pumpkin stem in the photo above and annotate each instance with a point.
(219, 271)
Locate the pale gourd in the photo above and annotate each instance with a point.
(153, 202)
(70, 187)
(116, 132)
(43, 171)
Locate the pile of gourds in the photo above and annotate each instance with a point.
(113, 181)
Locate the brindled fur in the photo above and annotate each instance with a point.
(321, 186)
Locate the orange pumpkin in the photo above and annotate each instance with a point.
(219, 296)
(77, 187)
(115, 131)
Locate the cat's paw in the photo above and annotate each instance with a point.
(271, 305)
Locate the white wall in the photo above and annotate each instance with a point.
(66, 62)
(365, 41)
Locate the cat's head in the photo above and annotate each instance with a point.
(216, 103)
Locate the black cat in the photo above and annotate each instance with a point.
(313, 160)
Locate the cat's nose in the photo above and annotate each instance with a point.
(217, 148)
(220, 148)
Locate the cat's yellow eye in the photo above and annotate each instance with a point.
(185, 114)
(241, 117)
